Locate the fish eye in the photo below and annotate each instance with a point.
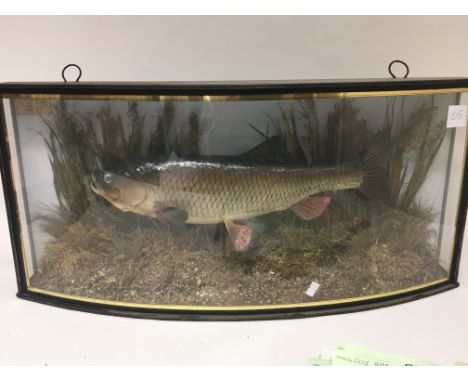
(108, 178)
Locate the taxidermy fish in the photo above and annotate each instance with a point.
(211, 192)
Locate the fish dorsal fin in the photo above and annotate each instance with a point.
(311, 207)
(241, 235)
(271, 150)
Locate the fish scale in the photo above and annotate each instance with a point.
(212, 193)
(208, 193)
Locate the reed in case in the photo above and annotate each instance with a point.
(235, 200)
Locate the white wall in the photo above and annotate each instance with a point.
(229, 48)
(226, 48)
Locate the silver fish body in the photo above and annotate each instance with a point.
(213, 192)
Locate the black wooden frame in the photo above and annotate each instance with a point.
(228, 89)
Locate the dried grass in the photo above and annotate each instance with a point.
(77, 145)
(159, 145)
(343, 139)
(71, 141)
(187, 143)
(415, 143)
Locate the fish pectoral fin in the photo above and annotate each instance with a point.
(241, 235)
(171, 215)
(160, 208)
(311, 207)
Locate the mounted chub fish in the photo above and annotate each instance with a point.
(214, 193)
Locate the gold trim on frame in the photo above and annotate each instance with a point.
(209, 98)
(246, 97)
(201, 308)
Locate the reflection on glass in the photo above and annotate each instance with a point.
(234, 203)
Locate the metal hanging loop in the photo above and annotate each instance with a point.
(68, 66)
(398, 62)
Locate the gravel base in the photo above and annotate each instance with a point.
(108, 255)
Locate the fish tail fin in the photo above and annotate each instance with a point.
(374, 184)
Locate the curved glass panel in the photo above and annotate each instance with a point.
(235, 203)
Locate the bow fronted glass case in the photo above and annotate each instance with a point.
(234, 200)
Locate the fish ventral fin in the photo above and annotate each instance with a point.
(241, 235)
(312, 207)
